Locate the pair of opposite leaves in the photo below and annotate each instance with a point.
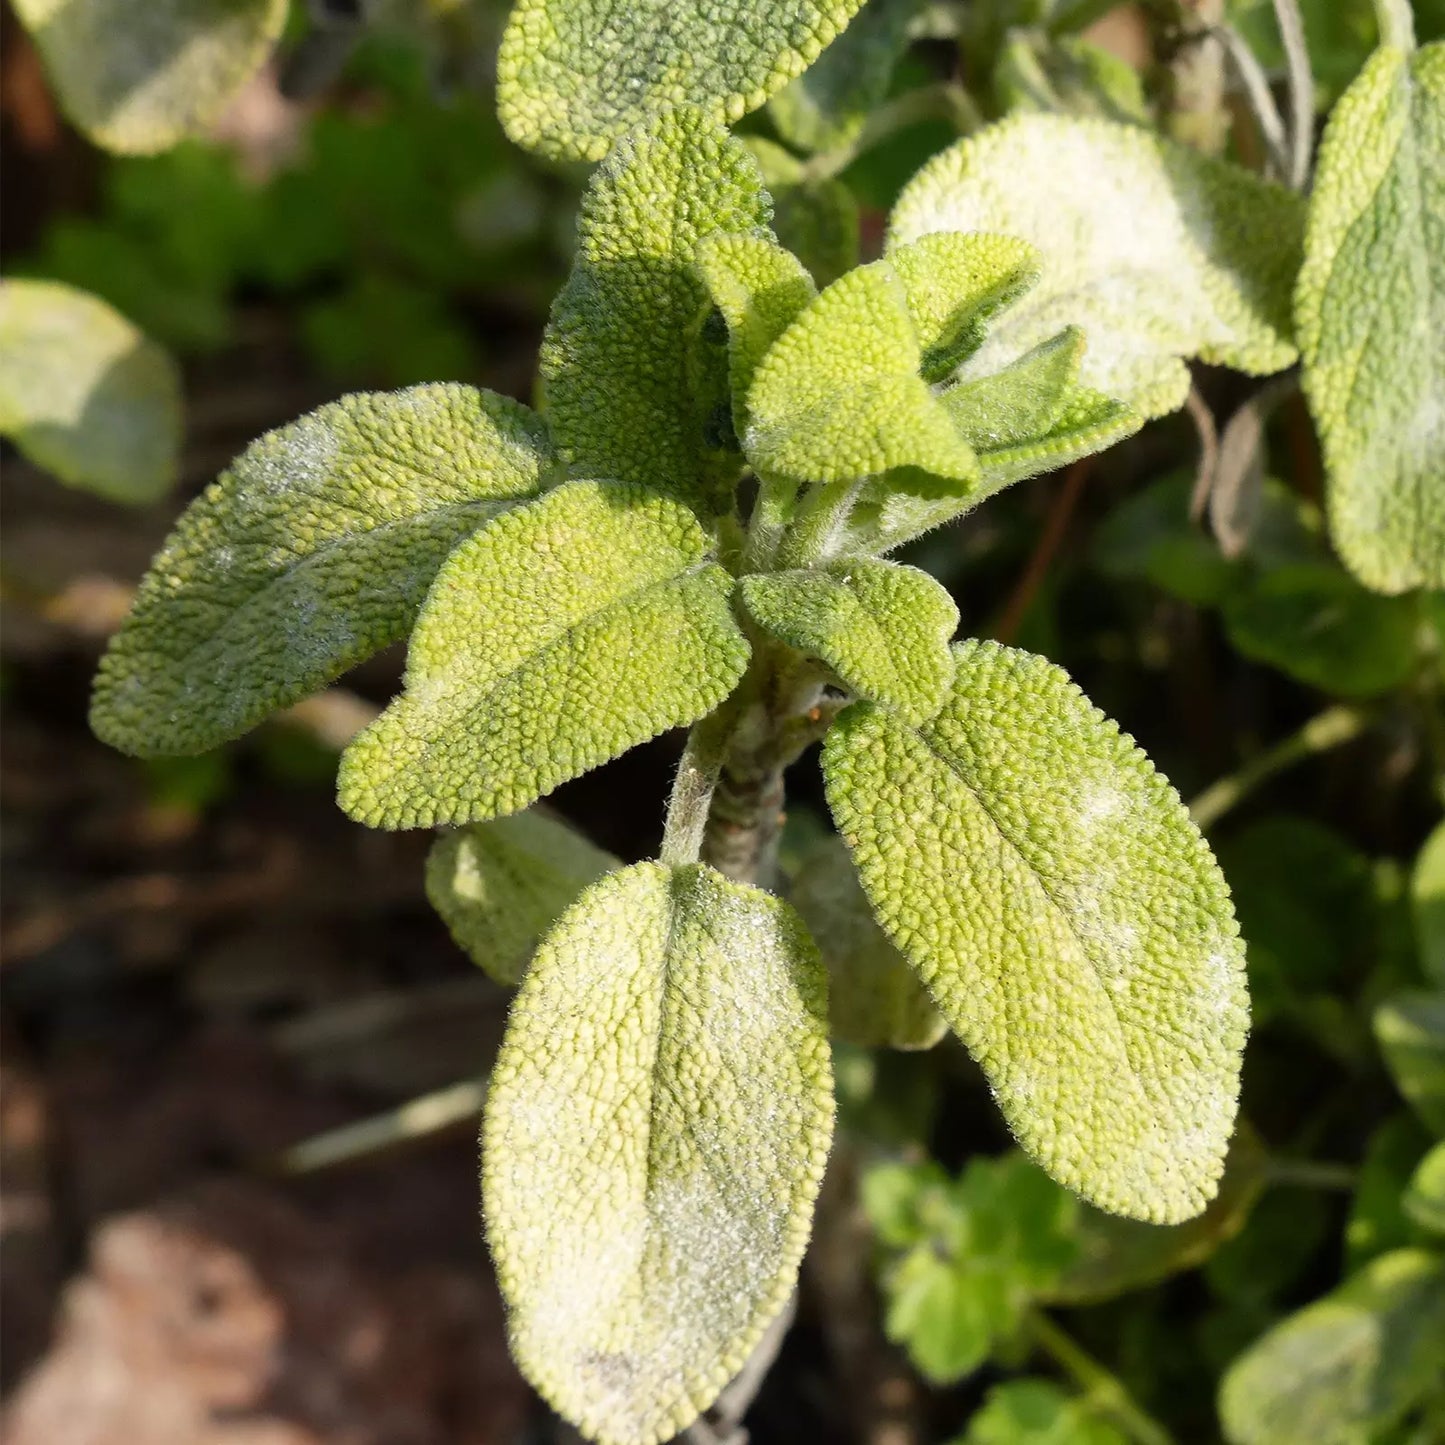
(965, 810)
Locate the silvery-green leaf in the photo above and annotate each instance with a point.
(499, 886)
(1346, 1366)
(875, 1000)
(310, 553)
(1157, 252)
(883, 628)
(1068, 918)
(1371, 312)
(630, 384)
(86, 395)
(139, 78)
(574, 74)
(655, 1134)
(562, 634)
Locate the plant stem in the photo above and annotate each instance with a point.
(1100, 1386)
(1260, 97)
(1397, 23)
(1326, 730)
(1187, 39)
(1045, 550)
(692, 788)
(1310, 1174)
(1301, 81)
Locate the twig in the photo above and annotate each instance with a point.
(416, 1119)
(1050, 540)
(1260, 97)
(1310, 1174)
(1301, 82)
(1101, 1387)
(1188, 36)
(1329, 729)
(1208, 429)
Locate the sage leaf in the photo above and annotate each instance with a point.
(559, 636)
(882, 628)
(86, 395)
(1203, 267)
(875, 1000)
(140, 83)
(759, 288)
(629, 390)
(655, 1134)
(500, 886)
(1068, 919)
(1370, 306)
(309, 554)
(1346, 1366)
(573, 74)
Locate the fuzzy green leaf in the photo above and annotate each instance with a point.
(826, 106)
(655, 1134)
(874, 999)
(1410, 1029)
(1427, 896)
(630, 388)
(1068, 919)
(559, 636)
(883, 628)
(85, 395)
(760, 289)
(499, 886)
(141, 81)
(1371, 312)
(955, 285)
(1157, 252)
(574, 74)
(839, 395)
(1347, 1365)
(1033, 416)
(313, 551)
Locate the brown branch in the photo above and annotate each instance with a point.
(1045, 550)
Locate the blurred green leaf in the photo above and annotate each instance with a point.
(86, 395)
(1427, 895)
(1316, 623)
(1410, 1028)
(1377, 1222)
(1346, 1365)
(1424, 1200)
(1036, 1412)
(1284, 1231)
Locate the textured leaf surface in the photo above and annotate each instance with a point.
(558, 637)
(826, 106)
(138, 79)
(874, 999)
(883, 629)
(655, 1134)
(1371, 313)
(1410, 1028)
(1033, 416)
(760, 288)
(313, 551)
(500, 886)
(1158, 253)
(1350, 1364)
(573, 74)
(839, 395)
(86, 395)
(1068, 919)
(628, 394)
(955, 284)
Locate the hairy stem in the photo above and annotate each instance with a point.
(1100, 1386)
(1324, 731)
(1299, 76)
(1397, 23)
(1187, 41)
